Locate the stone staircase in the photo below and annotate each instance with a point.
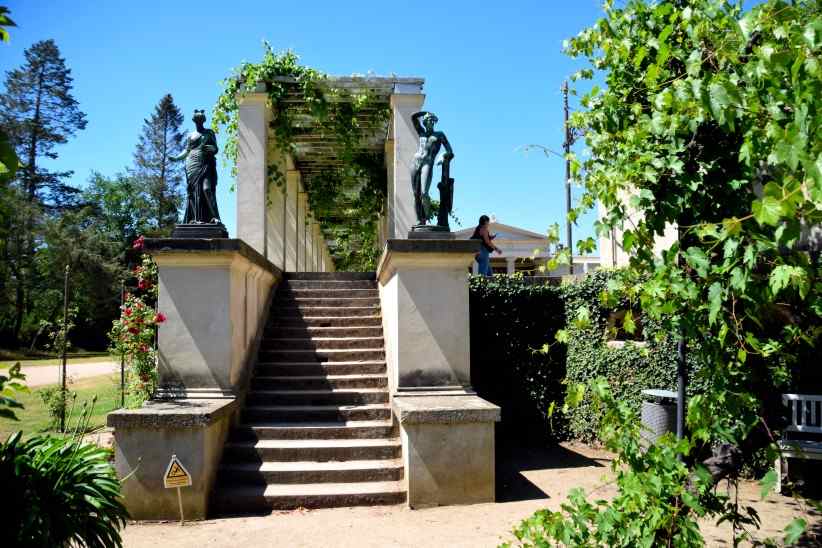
(316, 430)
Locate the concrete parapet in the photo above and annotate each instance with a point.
(214, 294)
(424, 297)
(448, 448)
(145, 439)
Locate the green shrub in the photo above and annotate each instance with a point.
(59, 492)
(511, 321)
(56, 401)
(517, 363)
(629, 369)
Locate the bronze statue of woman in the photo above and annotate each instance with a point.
(422, 169)
(201, 173)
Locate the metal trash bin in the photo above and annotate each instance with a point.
(658, 414)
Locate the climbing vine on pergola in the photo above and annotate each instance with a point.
(337, 117)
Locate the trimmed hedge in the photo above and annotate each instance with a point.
(512, 320)
(509, 320)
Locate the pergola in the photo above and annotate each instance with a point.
(314, 151)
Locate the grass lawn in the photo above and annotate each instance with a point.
(56, 361)
(35, 418)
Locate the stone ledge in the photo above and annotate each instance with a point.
(432, 246)
(444, 410)
(425, 254)
(156, 246)
(182, 413)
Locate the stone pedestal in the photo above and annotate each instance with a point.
(448, 448)
(214, 294)
(447, 432)
(145, 439)
(200, 230)
(424, 298)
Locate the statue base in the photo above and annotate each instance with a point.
(430, 232)
(200, 230)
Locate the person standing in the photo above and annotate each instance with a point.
(486, 246)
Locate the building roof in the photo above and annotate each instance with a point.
(504, 232)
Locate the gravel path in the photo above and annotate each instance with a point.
(41, 375)
(528, 480)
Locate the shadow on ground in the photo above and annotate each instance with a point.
(513, 460)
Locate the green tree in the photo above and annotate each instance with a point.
(38, 112)
(161, 139)
(709, 120)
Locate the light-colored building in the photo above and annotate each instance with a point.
(525, 251)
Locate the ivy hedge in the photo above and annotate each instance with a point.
(517, 364)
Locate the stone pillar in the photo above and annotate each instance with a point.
(293, 188)
(213, 294)
(252, 171)
(510, 265)
(447, 431)
(301, 220)
(405, 101)
(424, 296)
(447, 449)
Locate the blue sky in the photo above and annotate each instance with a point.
(493, 73)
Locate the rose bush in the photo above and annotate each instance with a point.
(134, 334)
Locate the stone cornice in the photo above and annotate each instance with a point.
(422, 254)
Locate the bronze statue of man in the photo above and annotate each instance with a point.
(422, 170)
(201, 173)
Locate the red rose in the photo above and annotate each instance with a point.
(160, 317)
(143, 284)
(143, 348)
(133, 330)
(138, 243)
(127, 311)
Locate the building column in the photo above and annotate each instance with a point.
(510, 266)
(293, 184)
(405, 101)
(252, 172)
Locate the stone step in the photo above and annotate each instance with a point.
(314, 413)
(328, 301)
(296, 472)
(313, 382)
(311, 450)
(321, 343)
(328, 293)
(311, 355)
(314, 430)
(286, 368)
(340, 396)
(323, 311)
(240, 499)
(373, 320)
(336, 276)
(329, 284)
(299, 332)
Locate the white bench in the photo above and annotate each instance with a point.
(806, 417)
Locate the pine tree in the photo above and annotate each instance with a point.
(39, 112)
(161, 139)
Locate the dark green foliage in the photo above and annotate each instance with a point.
(9, 385)
(510, 321)
(59, 492)
(630, 368)
(516, 363)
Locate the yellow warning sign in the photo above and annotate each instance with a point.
(176, 475)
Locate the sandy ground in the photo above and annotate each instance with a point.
(527, 480)
(40, 375)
